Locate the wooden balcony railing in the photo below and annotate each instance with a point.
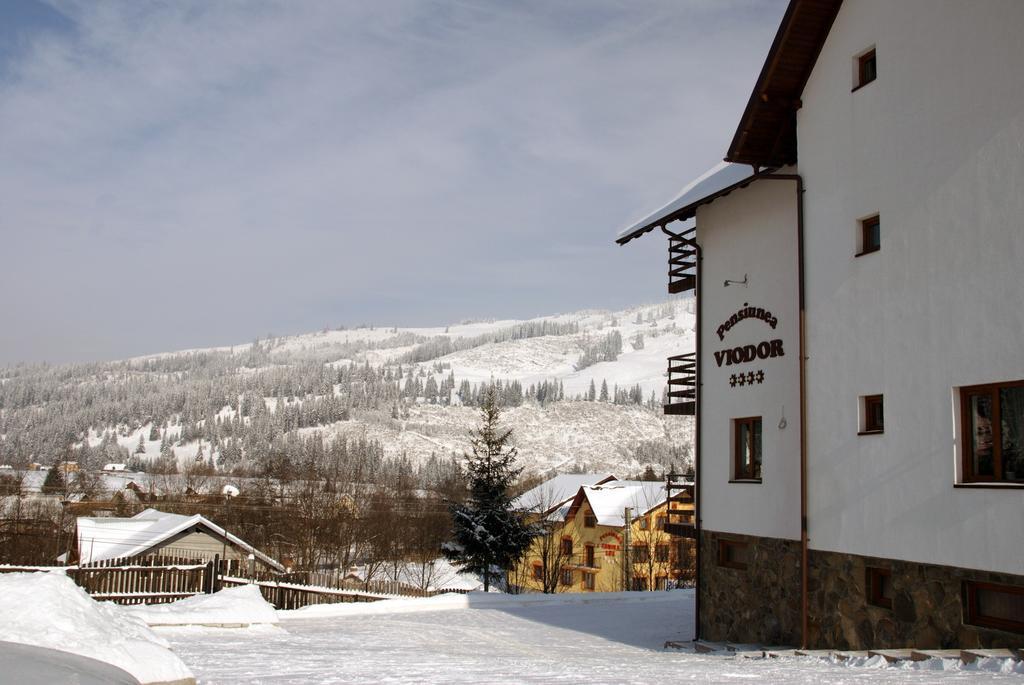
(682, 262)
(682, 384)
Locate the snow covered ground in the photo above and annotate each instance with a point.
(594, 638)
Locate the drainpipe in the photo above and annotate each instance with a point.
(804, 573)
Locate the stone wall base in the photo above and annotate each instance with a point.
(928, 605)
(761, 603)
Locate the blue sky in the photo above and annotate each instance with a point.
(184, 174)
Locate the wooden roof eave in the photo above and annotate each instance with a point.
(766, 135)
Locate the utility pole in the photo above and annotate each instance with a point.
(627, 549)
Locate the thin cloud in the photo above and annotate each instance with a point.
(186, 174)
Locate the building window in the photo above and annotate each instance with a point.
(641, 555)
(659, 523)
(872, 417)
(538, 572)
(867, 69)
(733, 554)
(588, 581)
(878, 586)
(639, 584)
(747, 449)
(994, 606)
(567, 547)
(589, 520)
(993, 432)
(662, 553)
(566, 577)
(642, 523)
(870, 235)
(588, 556)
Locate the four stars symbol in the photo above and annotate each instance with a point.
(748, 378)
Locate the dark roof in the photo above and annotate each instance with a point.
(766, 135)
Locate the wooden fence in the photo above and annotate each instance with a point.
(285, 595)
(151, 583)
(158, 580)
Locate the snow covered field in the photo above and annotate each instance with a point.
(613, 638)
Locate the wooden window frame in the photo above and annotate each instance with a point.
(589, 556)
(868, 57)
(566, 578)
(589, 581)
(972, 614)
(867, 405)
(566, 547)
(726, 558)
(640, 553)
(538, 571)
(867, 241)
(739, 473)
(663, 553)
(589, 520)
(966, 443)
(874, 577)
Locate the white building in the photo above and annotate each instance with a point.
(859, 269)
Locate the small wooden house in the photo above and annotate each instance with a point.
(152, 533)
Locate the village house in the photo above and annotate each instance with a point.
(557, 491)
(152, 534)
(858, 382)
(609, 537)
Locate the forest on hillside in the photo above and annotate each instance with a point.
(246, 411)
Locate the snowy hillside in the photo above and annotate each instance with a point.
(581, 390)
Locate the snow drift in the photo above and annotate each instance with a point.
(49, 610)
(236, 606)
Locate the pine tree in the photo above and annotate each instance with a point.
(55, 481)
(604, 390)
(488, 536)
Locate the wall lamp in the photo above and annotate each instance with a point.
(743, 282)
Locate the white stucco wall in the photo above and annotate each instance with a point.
(752, 231)
(935, 146)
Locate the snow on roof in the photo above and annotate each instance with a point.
(609, 501)
(556, 491)
(101, 538)
(704, 188)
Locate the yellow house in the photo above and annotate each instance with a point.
(607, 538)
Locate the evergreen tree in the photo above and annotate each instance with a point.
(55, 482)
(488, 536)
(604, 390)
